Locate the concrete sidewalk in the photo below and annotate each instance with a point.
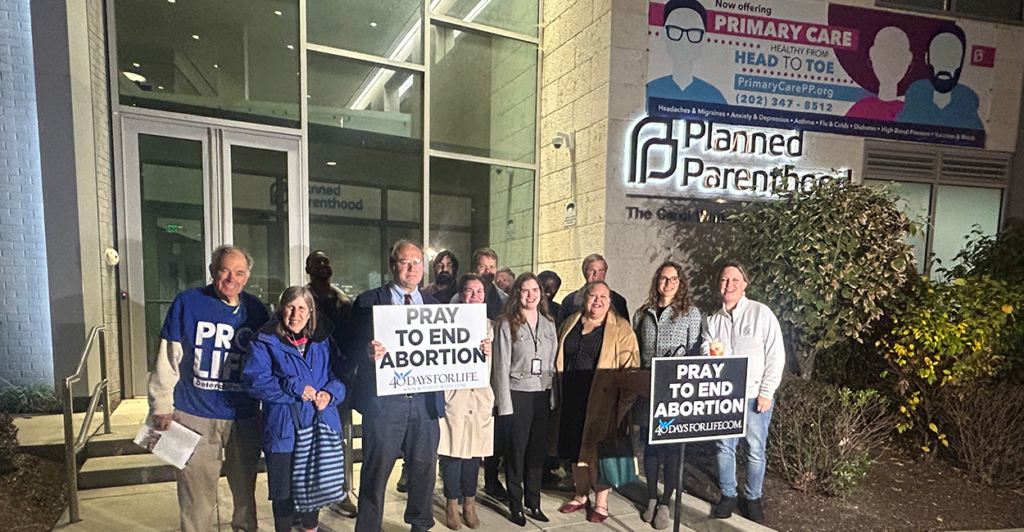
(154, 508)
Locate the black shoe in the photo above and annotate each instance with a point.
(724, 508)
(496, 490)
(754, 511)
(517, 517)
(345, 507)
(538, 515)
(403, 482)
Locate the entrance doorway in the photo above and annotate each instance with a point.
(190, 186)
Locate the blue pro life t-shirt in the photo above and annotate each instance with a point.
(215, 339)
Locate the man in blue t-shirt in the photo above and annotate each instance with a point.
(196, 382)
(940, 99)
(685, 26)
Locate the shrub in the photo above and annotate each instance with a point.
(32, 399)
(943, 335)
(821, 436)
(999, 257)
(825, 261)
(8, 442)
(985, 424)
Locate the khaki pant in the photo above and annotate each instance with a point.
(197, 483)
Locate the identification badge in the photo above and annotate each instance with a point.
(535, 366)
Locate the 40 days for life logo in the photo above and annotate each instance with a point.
(430, 348)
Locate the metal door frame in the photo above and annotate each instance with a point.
(217, 136)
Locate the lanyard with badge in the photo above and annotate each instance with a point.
(535, 364)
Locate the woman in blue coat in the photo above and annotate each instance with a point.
(289, 364)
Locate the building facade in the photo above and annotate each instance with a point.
(138, 136)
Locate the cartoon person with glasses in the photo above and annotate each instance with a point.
(685, 23)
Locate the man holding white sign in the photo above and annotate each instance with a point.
(747, 329)
(402, 419)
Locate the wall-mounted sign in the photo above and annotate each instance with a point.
(697, 158)
(824, 67)
(570, 214)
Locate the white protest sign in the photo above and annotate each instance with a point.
(430, 348)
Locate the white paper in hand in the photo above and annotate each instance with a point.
(174, 445)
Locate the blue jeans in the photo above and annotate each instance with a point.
(757, 435)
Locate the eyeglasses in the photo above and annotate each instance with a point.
(668, 280)
(694, 35)
(408, 263)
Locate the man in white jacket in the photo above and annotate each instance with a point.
(749, 329)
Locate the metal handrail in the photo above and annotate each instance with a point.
(73, 445)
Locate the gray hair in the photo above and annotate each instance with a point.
(593, 257)
(223, 251)
(291, 294)
(397, 248)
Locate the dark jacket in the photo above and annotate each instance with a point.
(364, 384)
(276, 374)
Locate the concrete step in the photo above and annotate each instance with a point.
(112, 445)
(124, 470)
(130, 470)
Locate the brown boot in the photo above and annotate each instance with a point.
(451, 515)
(469, 511)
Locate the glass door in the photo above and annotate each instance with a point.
(188, 189)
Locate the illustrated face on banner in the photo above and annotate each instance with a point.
(684, 31)
(946, 58)
(890, 58)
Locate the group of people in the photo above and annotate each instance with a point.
(563, 377)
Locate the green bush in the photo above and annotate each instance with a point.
(985, 424)
(821, 437)
(1000, 257)
(944, 334)
(8, 442)
(32, 399)
(825, 261)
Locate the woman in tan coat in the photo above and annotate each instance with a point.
(467, 431)
(596, 353)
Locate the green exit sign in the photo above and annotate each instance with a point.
(173, 228)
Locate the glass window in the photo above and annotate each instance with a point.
(519, 16)
(914, 201)
(259, 204)
(236, 60)
(473, 205)
(483, 95)
(1001, 9)
(928, 4)
(385, 28)
(173, 225)
(352, 95)
(957, 211)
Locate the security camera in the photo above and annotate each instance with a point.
(564, 139)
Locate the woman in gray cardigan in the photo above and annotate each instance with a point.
(667, 325)
(524, 365)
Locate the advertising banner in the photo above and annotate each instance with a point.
(430, 348)
(823, 67)
(698, 398)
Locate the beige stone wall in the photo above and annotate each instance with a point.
(104, 191)
(574, 97)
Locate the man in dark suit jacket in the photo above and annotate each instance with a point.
(396, 424)
(595, 268)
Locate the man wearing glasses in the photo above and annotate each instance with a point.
(685, 23)
(395, 424)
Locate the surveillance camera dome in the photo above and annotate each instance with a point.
(558, 142)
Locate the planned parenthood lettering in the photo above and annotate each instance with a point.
(697, 398)
(430, 348)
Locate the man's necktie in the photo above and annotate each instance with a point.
(408, 299)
